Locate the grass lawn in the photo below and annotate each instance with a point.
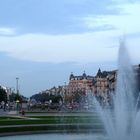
(48, 120)
(8, 118)
(68, 123)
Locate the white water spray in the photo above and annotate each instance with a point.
(123, 121)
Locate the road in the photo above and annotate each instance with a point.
(3, 113)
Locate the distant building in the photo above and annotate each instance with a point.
(104, 85)
(100, 85)
(105, 81)
(82, 83)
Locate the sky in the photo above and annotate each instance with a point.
(43, 41)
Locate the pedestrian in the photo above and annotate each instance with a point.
(23, 112)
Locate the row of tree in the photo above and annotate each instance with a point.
(43, 97)
(12, 97)
(76, 96)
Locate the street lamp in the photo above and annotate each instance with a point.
(17, 105)
(17, 85)
(17, 90)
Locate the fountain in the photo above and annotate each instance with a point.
(123, 121)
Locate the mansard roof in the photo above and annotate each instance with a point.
(71, 76)
(81, 77)
(99, 73)
(104, 74)
(84, 75)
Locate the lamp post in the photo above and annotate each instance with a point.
(17, 105)
(17, 85)
(17, 100)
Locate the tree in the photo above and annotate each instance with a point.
(56, 98)
(41, 97)
(12, 97)
(18, 97)
(3, 95)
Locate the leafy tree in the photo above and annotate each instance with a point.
(56, 98)
(18, 97)
(42, 97)
(3, 95)
(12, 97)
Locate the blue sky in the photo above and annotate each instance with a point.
(43, 41)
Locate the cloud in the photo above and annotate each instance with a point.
(80, 48)
(7, 31)
(52, 16)
(122, 22)
(94, 37)
(61, 17)
(86, 47)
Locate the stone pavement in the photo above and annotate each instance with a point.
(5, 113)
(12, 112)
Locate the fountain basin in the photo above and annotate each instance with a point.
(70, 136)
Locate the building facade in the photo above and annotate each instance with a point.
(83, 83)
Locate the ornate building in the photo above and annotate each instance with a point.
(82, 83)
(101, 84)
(105, 81)
(104, 85)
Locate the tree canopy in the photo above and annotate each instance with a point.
(3, 95)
